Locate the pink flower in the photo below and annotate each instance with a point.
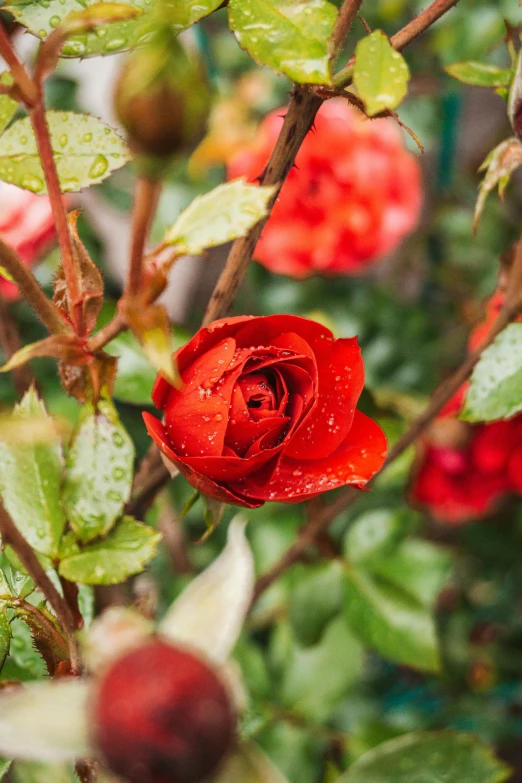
(26, 224)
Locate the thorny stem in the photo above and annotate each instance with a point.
(23, 81)
(405, 36)
(319, 522)
(146, 195)
(30, 289)
(10, 343)
(71, 272)
(11, 535)
(347, 15)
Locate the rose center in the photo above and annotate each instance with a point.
(259, 394)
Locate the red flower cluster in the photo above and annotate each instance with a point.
(466, 469)
(26, 224)
(352, 197)
(267, 412)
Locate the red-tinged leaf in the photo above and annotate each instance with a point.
(66, 347)
(499, 166)
(152, 328)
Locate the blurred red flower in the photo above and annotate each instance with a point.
(267, 411)
(353, 195)
(464, 470)
(26, 224)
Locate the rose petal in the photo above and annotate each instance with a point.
(203, 484)
(355, 461)
(341, 380)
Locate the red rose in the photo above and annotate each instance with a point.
(161, 715)
(352, 197)
(26, 224)
(267, 412)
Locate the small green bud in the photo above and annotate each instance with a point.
(162, 98)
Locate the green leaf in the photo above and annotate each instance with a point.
(4, 766)
(86, 151)
(8, 107)
(136, 375)
(5, 640)
(317, 678)
(381, 74)
(315, 600)
(36, 772)
(248, 764)
(499, 165)
(437, 757)
(289, 36)
(375, 533)
(183, 13)
(99, 472)
(495, 391)
(125, 551)
(390, 621)
(480, 74)
(31, 475)
(417, 567)
(224, 214)
(41, 18)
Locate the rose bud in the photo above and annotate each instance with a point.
(267, 411)
(161, 715)
(162, 98)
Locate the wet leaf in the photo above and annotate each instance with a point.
(210, 612)
(440, 757)
(42, 18)
(289, 36)
(227, 212)
(494, 392)
(390, 621)
(66, 347)
(375, 533)
(8, 107)
(183, 13)
(31, 476)
(480, 74)
(45, 721)
(86, 152)
(381, 74)
(77, 23)
(125, 551)
(99, 472)
(499, 166)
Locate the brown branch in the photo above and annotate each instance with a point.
(298, 120)
(107, 333)
(146, 195)
(26, 87)
(30, 289)
(347, 15)
(69, 262)
(405, 36)
(11, 342)
(318, 522)
(11, 535)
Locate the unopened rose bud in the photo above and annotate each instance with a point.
(161, 715)
(162, 99)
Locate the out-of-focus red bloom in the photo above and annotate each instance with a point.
(354, 194)
(26, 224)
(466, 469)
